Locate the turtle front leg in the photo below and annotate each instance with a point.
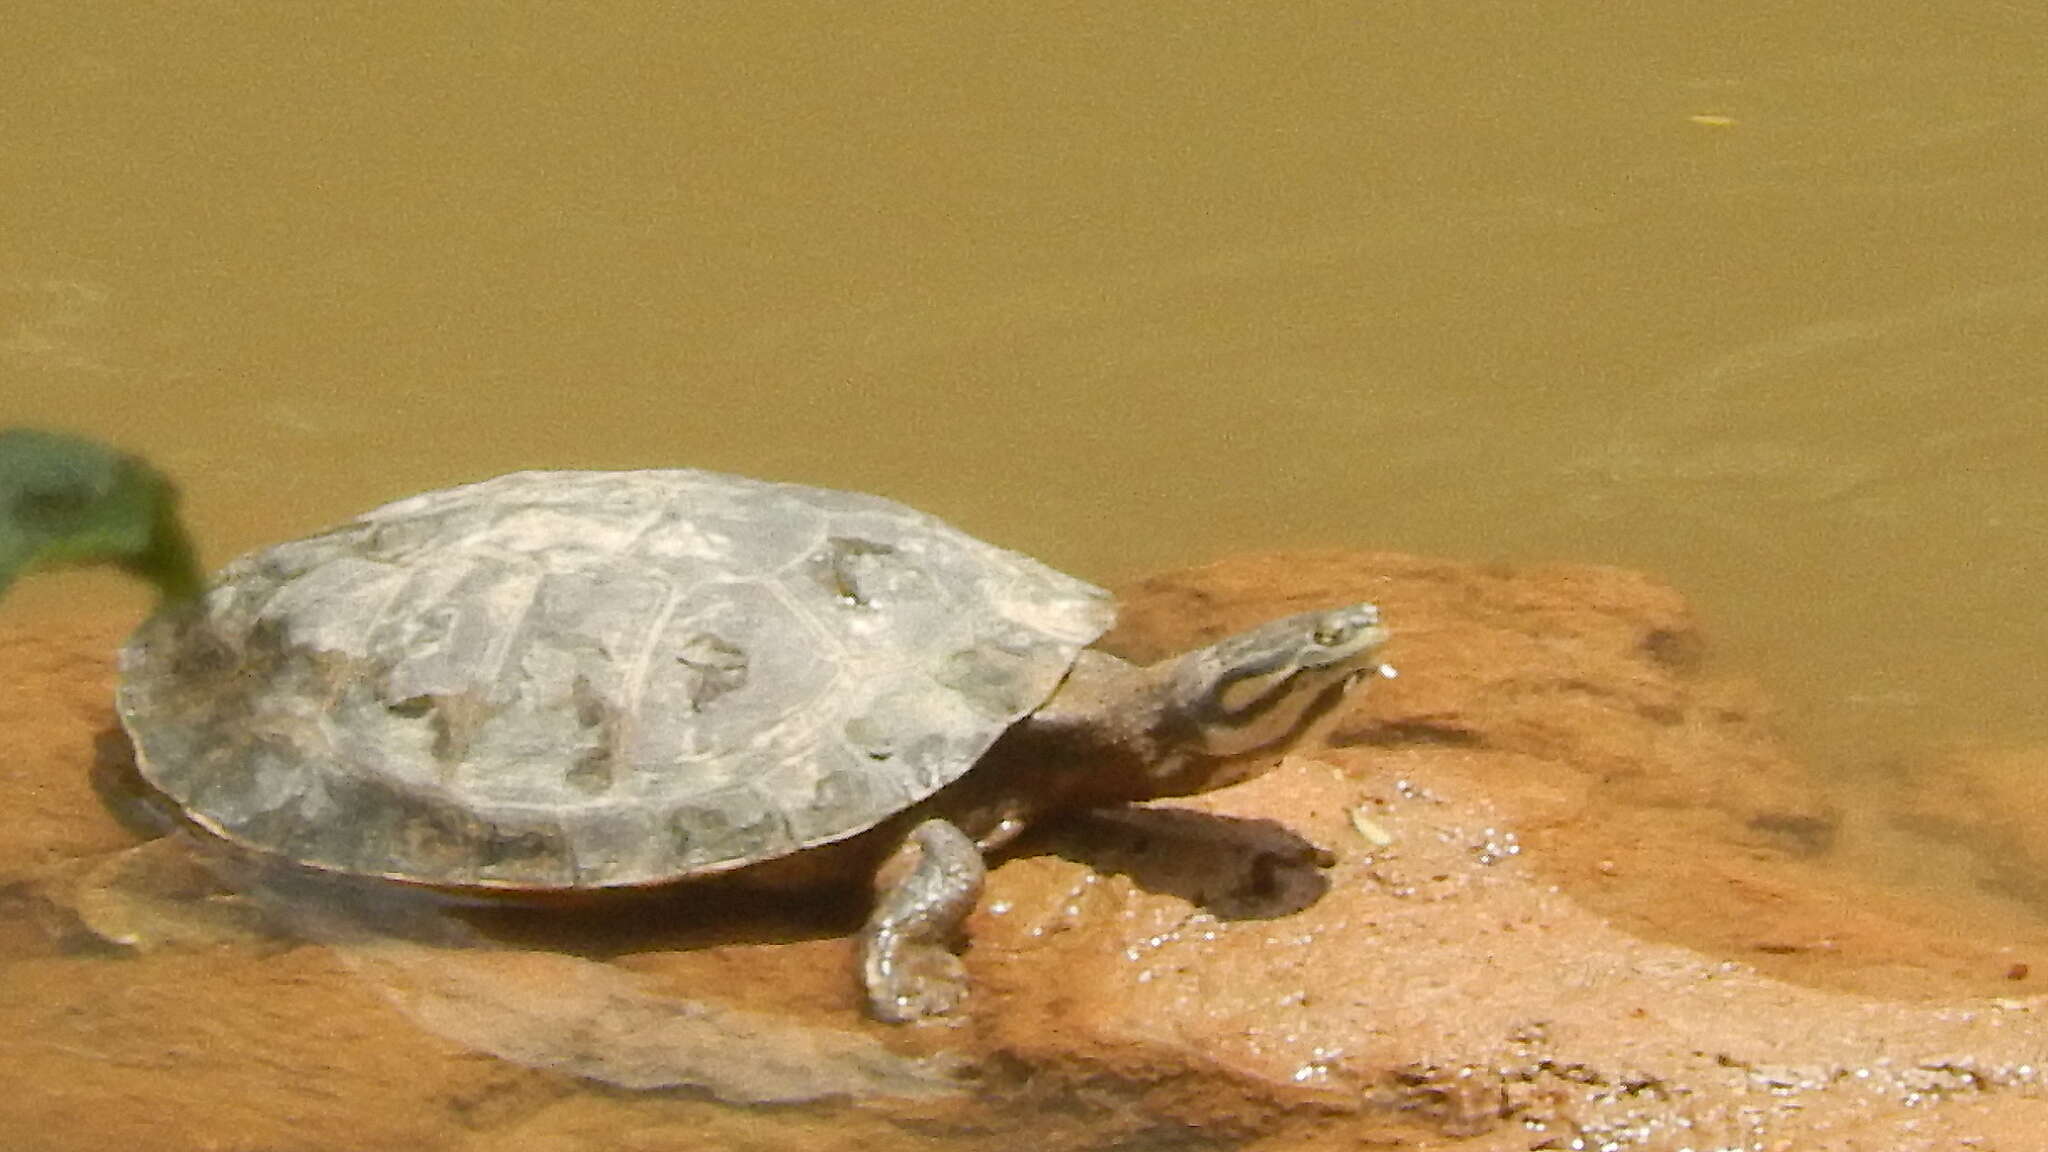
(923, 894)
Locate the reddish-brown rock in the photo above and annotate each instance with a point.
(1557, 885)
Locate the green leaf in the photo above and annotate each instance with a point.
(67, 501)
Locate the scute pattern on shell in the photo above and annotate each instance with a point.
(589, 679)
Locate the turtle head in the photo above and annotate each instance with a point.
(1227, 706)
(70, 501)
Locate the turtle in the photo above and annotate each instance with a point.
(557, 682)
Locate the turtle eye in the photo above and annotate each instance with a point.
(1333, 635)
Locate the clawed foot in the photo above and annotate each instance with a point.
(913, 981)
(924, 894)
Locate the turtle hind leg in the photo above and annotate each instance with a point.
(923, 894)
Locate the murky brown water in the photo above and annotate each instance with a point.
(1752, 300)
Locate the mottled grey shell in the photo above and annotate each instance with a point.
(588, 679)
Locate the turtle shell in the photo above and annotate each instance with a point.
(590, 679)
